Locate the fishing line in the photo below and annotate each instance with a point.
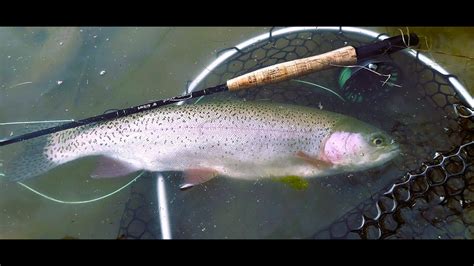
(81, 201)
(319, 86)
(388, 76)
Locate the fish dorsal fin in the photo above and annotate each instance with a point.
(197, 176)
(318, 163)
(112, 167)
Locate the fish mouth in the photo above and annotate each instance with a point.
(394, 149)
(389, 155)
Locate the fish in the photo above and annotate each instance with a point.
(242, 140)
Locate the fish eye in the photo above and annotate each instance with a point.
(377, 141)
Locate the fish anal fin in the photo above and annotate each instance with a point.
(196, 176)
(318, 163)
(111, 167)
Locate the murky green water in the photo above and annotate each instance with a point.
(79, 72)
(64, 73)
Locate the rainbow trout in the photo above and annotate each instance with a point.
(234, 139)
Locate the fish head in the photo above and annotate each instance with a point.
(356, 145)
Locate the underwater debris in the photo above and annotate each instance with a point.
(293, 181)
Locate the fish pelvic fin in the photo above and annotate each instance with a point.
(112, 167)
(318, 163)
(193, 177)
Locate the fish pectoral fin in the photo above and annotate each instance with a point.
(320, 164)
(111, 167)
(197, 176)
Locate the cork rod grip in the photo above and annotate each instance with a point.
(292, 69)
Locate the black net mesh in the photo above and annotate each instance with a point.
(416, 107)
(434, 201)
(140, 219)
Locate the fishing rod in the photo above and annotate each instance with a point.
(344, 56)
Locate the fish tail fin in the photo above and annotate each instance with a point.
(26, 159)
